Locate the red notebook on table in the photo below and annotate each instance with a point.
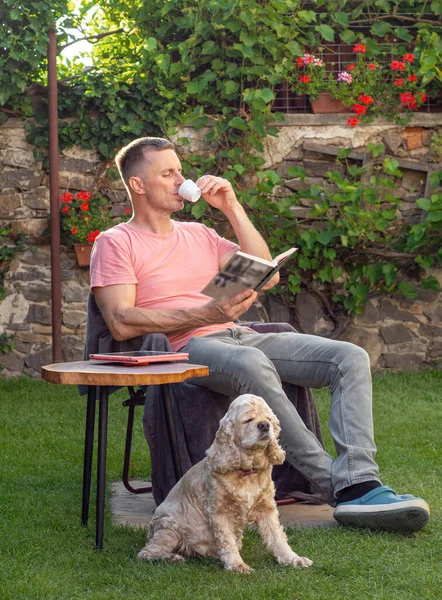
(140, 357)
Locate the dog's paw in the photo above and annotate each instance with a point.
(239, 568)
(301, 562)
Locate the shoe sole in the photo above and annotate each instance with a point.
(386, 518)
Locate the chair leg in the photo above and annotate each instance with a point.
(170, 424)
(136, 399)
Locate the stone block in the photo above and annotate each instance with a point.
(37, 199)
(308, 311)
(39, 255)
(39, 313)
(368, 339)
(33, 228)
(36, 360)
(75, 293)
(20, 179)
(413, 137)
(13, 309)
(413, 180)
(77, 165)
(370, 315)
(77, 153)
(390, 311)
(436, 349)
(395, 334)
(18, 157)
(392, 142)
(319, 168)
(403, 362)
(75, 182)
(430, 331)
(72, 348)
(74, 318)
(9, 203)
(278, 312)
(433, 312)
(12, 362)
(300, 212)
(37, 292)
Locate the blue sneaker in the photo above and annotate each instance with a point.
(382, 509)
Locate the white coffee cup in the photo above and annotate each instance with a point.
(189, 191)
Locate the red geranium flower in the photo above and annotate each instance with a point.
(84, 196)
(412, 77)
(92, 235)
(304, 79)
(372, 66)
(359, 109)
(399, 82)
(74, 230)
(65, 209)
(350, 67)
(408, 58)
(84, 206)
(365, 99)
(359, 48)
(127, 210)
(66, 197)
(299, 61)
(423, 96)
(352, 121)
(396, 65)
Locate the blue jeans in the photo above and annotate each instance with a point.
(245, 362)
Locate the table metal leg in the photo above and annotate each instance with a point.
(170, 423)
(88, 450)
(101, 468)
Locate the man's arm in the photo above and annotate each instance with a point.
(219, 193)
(126, 321)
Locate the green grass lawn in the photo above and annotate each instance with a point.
(45, 553)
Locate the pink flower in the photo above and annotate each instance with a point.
(344, 76)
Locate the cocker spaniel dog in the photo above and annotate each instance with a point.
(207, 511)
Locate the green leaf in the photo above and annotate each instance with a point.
(403, 34)
(344, 152)
(424, 203)
(407, 289)
(436, 7)
(230, 87)
(238, 123)
(380, 28)
(150, 44)
(14, 14)
(430, 283)
(348, 36)
(309, 16)
(325, 237)
(198, 209)
(309, 237)
(268, 95)
(341, 18)
(296, 171)
(326, 31)
(376, 149)
(239, 169)
(294, 48)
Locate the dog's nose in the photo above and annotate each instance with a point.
(263, 425)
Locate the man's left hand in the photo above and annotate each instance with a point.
(218, 192)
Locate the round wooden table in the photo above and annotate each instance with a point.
(99, 377)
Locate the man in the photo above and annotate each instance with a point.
(147, 275)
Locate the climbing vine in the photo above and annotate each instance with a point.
(216, 65)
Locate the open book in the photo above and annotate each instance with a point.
(242, 272)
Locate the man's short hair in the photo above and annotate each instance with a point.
(130, 158)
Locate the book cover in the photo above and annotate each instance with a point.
(244, 271)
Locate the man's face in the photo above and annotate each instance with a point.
(162, 178)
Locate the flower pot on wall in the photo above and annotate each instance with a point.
(83, 254)
(325, 104)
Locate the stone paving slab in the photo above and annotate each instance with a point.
(136, 510)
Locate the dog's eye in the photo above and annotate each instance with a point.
(248, 421)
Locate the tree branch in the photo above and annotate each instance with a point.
(399, 18)
(96, 37)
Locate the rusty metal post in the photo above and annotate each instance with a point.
(54, 189)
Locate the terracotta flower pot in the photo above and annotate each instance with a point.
(83, 254)
(325, 104)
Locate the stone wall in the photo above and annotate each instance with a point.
(398, 334)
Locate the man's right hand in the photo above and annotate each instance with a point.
(229, 310)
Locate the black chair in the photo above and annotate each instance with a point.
(180, 420)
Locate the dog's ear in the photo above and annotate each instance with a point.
(223, 455)
(275, 453)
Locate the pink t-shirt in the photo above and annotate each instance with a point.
(168, 270)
